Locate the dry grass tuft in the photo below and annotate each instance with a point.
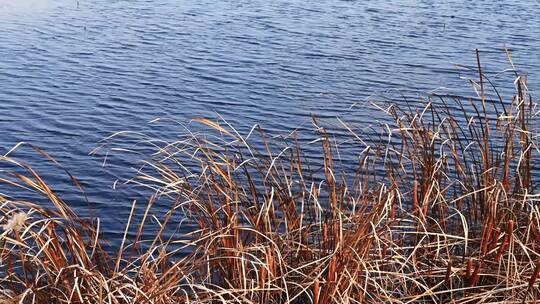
(441, 208)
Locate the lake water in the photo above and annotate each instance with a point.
(73, 72)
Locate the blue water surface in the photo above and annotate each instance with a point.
(73, 72)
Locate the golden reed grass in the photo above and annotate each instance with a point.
(441, 208)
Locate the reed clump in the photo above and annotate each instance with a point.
(441, 208)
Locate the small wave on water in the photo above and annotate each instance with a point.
(73, 72)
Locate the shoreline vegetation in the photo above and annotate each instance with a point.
(442, 208)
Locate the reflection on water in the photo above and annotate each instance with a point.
(24, 6)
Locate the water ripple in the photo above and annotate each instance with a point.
(70, 75)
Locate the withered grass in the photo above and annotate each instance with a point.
(442, 208)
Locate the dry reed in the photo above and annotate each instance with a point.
(442, 208)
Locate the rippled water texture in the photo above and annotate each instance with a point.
(73, 72)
